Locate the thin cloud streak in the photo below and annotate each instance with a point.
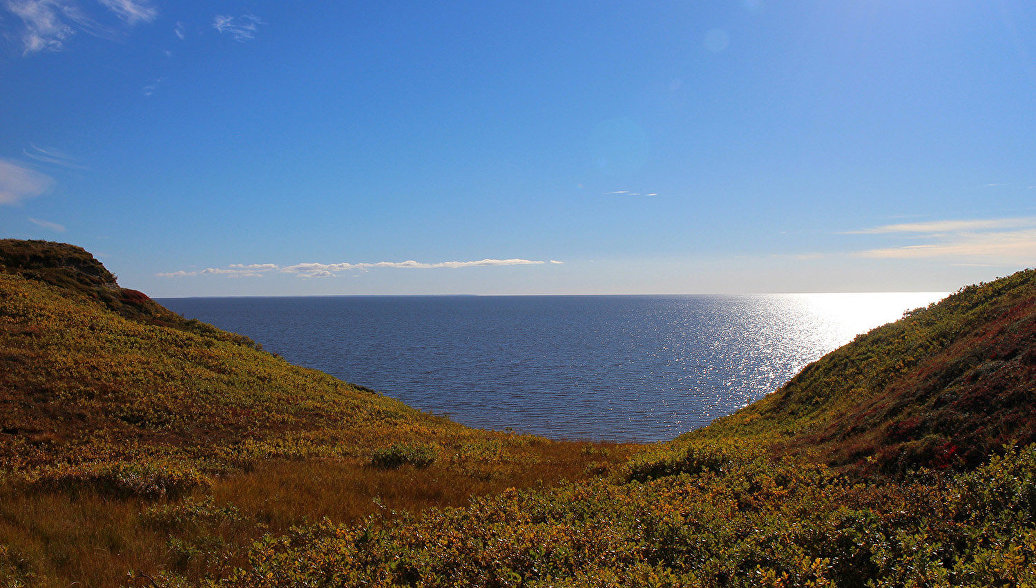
(214, 271)
(948, 226)
(52, 156)
(254, 266)
(18, 183)
(1004, 241)
(47, 225)
(1004, 247)
(629, 193)
(327, 270)
(131, 11)
(241, 28)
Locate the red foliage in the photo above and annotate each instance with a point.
(128, 296)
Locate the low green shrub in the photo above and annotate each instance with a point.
(122, 479)
(189, 515)
(419, 455)
(692, 458)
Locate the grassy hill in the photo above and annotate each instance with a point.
(950, 383)
(74, 271)
(106, 396)
(140, 448)
(91, 378)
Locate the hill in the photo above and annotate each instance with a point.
(137, 447)
(94, 373)
(73, 270)
(953, 382)
(106, 395)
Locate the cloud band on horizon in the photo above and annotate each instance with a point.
(1004, 241)
(328, 270)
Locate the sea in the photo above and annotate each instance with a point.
(606, 368)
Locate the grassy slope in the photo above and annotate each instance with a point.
(951, 382)
(74, 270)
(82, 384)
(107, 400)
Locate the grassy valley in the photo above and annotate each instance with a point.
(140, 448)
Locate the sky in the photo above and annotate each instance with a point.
(301, 148)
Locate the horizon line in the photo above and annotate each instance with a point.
(731, 294)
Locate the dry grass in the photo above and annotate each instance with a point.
(58, 538)
(283, 493)
(52, 539)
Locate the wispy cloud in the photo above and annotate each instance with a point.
(630, 193)
(152, 87)
(212, 271)
(131, 11)
(327, 270)
(47, 25)
(18, 183)
(180, 31)
(1008, 247)
(47, 225)
(947, 226)
(240, 28)
(255, 266)
(51, 156)
(1006, 241)
(320, 270)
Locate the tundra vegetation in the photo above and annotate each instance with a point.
(141, 448)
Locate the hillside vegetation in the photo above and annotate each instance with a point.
(106, 396)
(950, 383)
(82, 384)
(74, 271)
(140, 448)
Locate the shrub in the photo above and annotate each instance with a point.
(419, 455)
(190, 515)
(669, 461)
(122, 479)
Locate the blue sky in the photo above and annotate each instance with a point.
(269, 148)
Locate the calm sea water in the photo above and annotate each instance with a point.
(643, 368)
